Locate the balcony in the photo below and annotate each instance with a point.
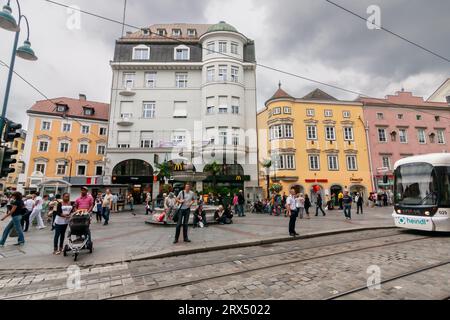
(127, 92)
(126, 120)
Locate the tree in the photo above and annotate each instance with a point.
(214, 169)
(164, 169)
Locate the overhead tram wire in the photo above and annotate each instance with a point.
(390, 32)
(226, 55)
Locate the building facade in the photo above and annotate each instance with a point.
(185, 95)
(11, 182)
(442, 94)
(403, 125)
(317, 144)
(67, 141)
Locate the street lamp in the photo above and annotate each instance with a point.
(8, 22)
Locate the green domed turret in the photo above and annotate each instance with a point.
(222, 26)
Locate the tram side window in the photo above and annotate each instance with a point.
(445, 196)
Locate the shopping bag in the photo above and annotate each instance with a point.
(161, 217)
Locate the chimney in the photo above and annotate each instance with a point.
(82, 97)
(448, 99)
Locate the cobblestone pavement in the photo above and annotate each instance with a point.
(127, 237)
(315, 268)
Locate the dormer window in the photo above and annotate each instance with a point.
(62, 107)
(161, 32)
(191, 32)
(176, 32)
(88, 111)
(182, 53)
(141, 53)
(146, 32)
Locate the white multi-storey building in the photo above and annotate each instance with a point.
(184, 95)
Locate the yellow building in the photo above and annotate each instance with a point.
(10, 183)
(316, 143)
(67, 141)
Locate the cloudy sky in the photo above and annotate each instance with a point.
(307, 37)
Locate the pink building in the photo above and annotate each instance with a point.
(403, 125)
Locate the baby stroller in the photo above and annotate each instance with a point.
(79, 235)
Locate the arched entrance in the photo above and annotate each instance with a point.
(137, 174)
(336, 189)
(314, 191)
(298, 188)
(358, 188)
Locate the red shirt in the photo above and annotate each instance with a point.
(84, 203)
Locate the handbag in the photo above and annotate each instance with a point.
(176, 215)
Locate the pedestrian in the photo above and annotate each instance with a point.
(347, 204)
(340, 197)
(29, 204)
(107, 206)
(319, 204)
(200, 216)
(185, 198)
(115, 200)
(85, 202)
(307, 205)
(45, 207)
(63, 212)
(16, 212)
(241, 203)
(130, 201)
(97, 209)
(219, 215)
(359, 199)
(300, 204)
(148, 203)
(236, 204)
(291, 209)
(169, 206)
(37, 210)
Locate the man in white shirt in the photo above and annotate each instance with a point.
(292, 212)
(36, 213)
(29, 205)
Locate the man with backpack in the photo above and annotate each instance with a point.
(185, 198)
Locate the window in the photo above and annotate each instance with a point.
(147, 139)
(61, 108)
(440, 136)
(235, 137)
(150, 79)
(287, 110)
(276, 111)
(235, 74)
(148, 110)
(421, 136)
(83, 148)
(123, 146)
(348, 133)
(234, 48)
(418, 117)
(85, 129)
(210, 135)
(179, 137)
(66, 127)
(284, 162)
(288, 131)
(314, 162)
(281, 131)
(180, 109)
(61, 169)
(386, 162)
(43, 146)
(352, 164)
(328, 113)
(99, 170)
(191, 32)
(181, 80)
(88, 111)
(102, 131)
(64, 147)
(380, 116)
(223, 73)
(333, 164)
(223, 105)
(40, 167)
(210, 105)
(403, 136)
(346, 114)
(210, 73)
(182, 53)
(141, 53)
(176, 32)
(210, 47)
(223, 135)
(123, 139)
(81, 170)
(235, 105)
(330, 133)
(400, 116)
(161, 32)
(128, 80)
(126, 109)
(382, 135)
(45, 125)
(222, 47)
(437, 118)
(101, 150)
(311, 132)
(310, 112)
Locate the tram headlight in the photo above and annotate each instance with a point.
(427, 213)
(399, 211)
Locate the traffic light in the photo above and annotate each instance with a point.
(11, 131)
(385, 179)
(6, 161)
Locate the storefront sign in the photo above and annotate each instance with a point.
(316, 180)
(356, 180)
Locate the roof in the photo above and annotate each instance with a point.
(436, 159)
(318, 94)
(403, 98)
(280, 94)
(46, 107)
(222, 26)
(184, 27)
(446, 83)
